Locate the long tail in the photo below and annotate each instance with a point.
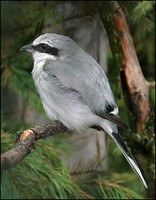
(119, 141)
(122, 146)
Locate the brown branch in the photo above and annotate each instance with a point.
(26, 140)
(137, 86)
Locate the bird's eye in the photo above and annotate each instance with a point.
(44, 46)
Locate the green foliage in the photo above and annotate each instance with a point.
(18, 80)
(142, 26)
(40, 175)
(105, 190)
(142, 19)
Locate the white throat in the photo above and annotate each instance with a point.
(40, 58)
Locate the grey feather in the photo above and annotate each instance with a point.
(74, 89)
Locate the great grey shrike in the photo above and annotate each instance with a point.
(75, 90)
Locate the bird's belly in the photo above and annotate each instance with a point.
(65, 106)
(69, 111)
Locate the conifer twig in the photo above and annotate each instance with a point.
(26, 140)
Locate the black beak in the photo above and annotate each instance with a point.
(28, 48)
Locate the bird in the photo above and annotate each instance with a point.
(75, 90)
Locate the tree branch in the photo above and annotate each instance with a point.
(26, 140)
(137, 86)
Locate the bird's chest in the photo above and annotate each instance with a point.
(40, 77)
(47, 90)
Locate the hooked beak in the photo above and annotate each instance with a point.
(28, 48)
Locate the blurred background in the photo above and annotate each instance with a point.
(87, 157)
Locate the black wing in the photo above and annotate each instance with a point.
(113, 118)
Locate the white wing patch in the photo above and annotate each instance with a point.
(115, 111)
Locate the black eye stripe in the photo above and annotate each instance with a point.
(44, 48)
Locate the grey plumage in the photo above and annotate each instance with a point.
(74, 89)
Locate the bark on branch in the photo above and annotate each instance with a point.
(138, 88)
(26, 140)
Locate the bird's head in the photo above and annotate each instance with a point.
(51, 47)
